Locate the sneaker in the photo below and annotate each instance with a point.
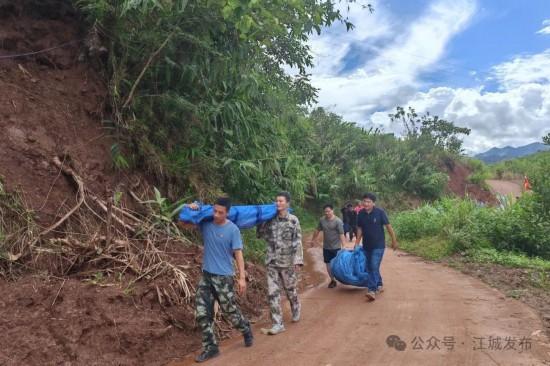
(371, 295)
(380, 289)
(276, 329)
(207, 354)
(332, 284)
(248, 338)
(296, 315)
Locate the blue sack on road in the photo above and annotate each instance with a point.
(244, 217)
(349, 267)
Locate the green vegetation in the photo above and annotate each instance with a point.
(508, 259)
(163, 213)
(200, 99)
(433, 130)
(538, 269)
(480, 171)
(514, 235)
(484, 235)
(199, 91)
(432, 247)
(517, 168)
(537, 168)
(254, 248)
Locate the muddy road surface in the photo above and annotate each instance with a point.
(437, 315)
(505, 187)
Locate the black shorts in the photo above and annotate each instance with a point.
(328, 254)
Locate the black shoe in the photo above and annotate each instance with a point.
(248, 338)
(208, 354)
(332, 284)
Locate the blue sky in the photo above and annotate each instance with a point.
(500, 30)
(484, 64)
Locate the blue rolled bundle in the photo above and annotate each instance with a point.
(349, 267)
(244, 217)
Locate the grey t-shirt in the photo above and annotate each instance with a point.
(332, 229)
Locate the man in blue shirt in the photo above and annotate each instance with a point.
(370, 226)
(222, 242)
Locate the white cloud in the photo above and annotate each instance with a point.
(401, 51)
(545, 27)
(397, 52)
(524, 69)
(334, 43)
(517, 114)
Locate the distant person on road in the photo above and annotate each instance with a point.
(370, 227)
(349, 217)
(345, 216)
(284, 259)
(333, 238)
(358, 206)
(352, 218)
(222, 242)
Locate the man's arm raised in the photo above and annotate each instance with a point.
(187, 225)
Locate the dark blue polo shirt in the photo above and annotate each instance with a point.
(372, 226)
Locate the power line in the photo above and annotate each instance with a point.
(3, 57)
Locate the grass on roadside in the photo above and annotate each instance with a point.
(432, 248)
(507, 259)
(437, 248)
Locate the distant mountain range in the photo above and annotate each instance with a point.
(497, 154)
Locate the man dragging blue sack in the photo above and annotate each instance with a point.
(222, 242)
(370, 227)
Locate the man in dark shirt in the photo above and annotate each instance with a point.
(370, 227)
(345, 218)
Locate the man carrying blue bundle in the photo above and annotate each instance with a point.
(222, 242)
(284, 259)
(370, 227)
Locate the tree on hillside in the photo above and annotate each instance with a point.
(432, 130)
(199, 88)
(546, 139)
(200, 94)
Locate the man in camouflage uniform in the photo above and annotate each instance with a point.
(222, 242)
(284, 259)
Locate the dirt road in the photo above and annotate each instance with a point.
(505, 187)
(443, 317)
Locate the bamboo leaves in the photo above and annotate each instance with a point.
(199, 89)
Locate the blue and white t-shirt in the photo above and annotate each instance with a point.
(219, 243)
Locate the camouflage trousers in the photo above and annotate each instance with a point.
(218, 288)
(282, 279)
